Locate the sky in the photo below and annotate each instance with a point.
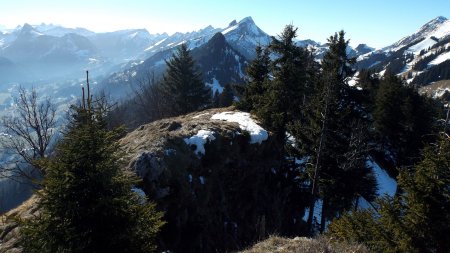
(377, 23)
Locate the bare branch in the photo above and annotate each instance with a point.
(29, 132)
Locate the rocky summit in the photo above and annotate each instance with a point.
(213, 173)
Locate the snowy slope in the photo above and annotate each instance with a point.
(438, 28)
(420, 58)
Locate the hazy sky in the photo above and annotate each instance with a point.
(377, 23)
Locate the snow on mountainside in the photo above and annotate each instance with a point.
(437, 28)
(243, 36)
(421, 58)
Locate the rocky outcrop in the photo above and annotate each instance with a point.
(212, 173)
(216, 177)
(9, 227)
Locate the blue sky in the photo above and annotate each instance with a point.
(377, 23)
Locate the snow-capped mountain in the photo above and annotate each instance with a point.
(193, 39)
(436, 28)
(243, 36)
(421, 58)
(45, 56)
(59, 31)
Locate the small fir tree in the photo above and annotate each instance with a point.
(86, 203)
(183, 85)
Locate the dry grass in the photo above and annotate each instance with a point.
(9, 229)
(275, 244)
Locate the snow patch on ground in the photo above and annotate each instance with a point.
(386, 184)
(257, 133)
(200, 115)
(199, 140)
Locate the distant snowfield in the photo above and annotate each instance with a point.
(257, 133)
(423, 45)
(442, 30)
(440, 59)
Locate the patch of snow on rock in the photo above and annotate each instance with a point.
(200, 115)
(257, 133)
(199, 140)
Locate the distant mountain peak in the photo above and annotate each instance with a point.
(28, 30)
(232, 23)
(433, 24)
(247, 20)
(438, 27)
(27, 27)
(439, 19)
(206, 29)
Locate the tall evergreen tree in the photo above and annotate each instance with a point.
(332, 135)
(183, 85)
(286, 93)
(257, 72)
(403, 119)
(86, 203)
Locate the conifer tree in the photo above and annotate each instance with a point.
(258, 73)
(226, 97)
(417, 220)
(183, 85)
(286, 93)
(402, 119)
(332, 134)
(86, 203)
